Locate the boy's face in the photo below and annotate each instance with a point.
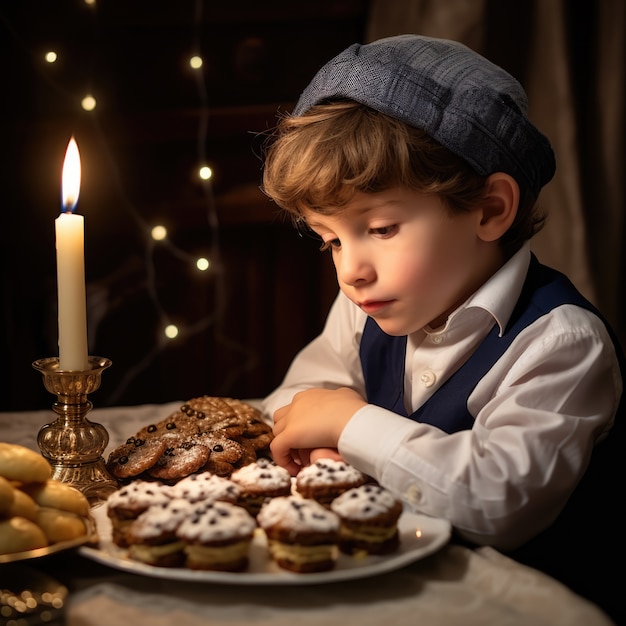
(404, 258)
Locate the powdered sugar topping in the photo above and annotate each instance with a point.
(216, 521)
(263, 474)
(363, 502)
(206, 486)
(161, 519)
(301, 514)
(329, 471)
(140, 493)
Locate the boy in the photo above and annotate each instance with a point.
(453, 368)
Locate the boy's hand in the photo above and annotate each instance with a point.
(314, 419)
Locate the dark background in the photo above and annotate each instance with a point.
(268, 291)
(156, 121)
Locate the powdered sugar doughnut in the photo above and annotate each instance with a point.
(216, 521)
(127, 503)
(206, 486)
(297, 515)
(160, 521)
(217, 536)
(138, 496)
(326, 479)
(365, 502)
(302, 534)
(260, 480)
(263, 475)
(369, 516)
(152, 537)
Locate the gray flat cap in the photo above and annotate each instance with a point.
(471, 106)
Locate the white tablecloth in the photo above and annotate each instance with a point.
(452, 587)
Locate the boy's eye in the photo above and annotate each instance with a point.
(331, 243)
(385, 231)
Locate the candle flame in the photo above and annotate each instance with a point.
(70, 182)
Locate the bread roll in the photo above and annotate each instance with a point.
(23, 506)
(58, 495)
(23, 464)
(18, 534)
(6, 495)
(60, 525)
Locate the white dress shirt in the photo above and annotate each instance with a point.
(538, 411)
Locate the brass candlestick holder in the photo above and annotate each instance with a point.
(72, 444)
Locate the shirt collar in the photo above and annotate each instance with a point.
(500, 293)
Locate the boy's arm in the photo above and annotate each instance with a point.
(539, 412)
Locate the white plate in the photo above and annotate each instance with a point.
(420, 536)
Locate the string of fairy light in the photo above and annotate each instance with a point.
(157, 234)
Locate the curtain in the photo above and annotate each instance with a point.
(569, 55)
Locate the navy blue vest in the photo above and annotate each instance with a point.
(383, 356)
(574, 549)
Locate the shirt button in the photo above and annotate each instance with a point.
(414, 495)
(437, 338)
(428, 378)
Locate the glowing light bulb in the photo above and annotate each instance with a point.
(195, 62)
(88, 103)
(159, 233)
(205, 172)
(203, 264)
(50, 56)
(171, 331)
(90, 2)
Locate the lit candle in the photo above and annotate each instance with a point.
(72, 301)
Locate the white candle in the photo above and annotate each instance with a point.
(72, 301)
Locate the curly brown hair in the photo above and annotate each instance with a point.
(318, 161)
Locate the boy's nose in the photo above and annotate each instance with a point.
(353, 267)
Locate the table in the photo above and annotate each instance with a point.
(455, 585)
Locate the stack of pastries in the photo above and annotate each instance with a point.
(208, 522)
(36, 511)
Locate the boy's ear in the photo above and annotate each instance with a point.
(499, 206)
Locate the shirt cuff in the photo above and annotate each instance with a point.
(372, 435)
